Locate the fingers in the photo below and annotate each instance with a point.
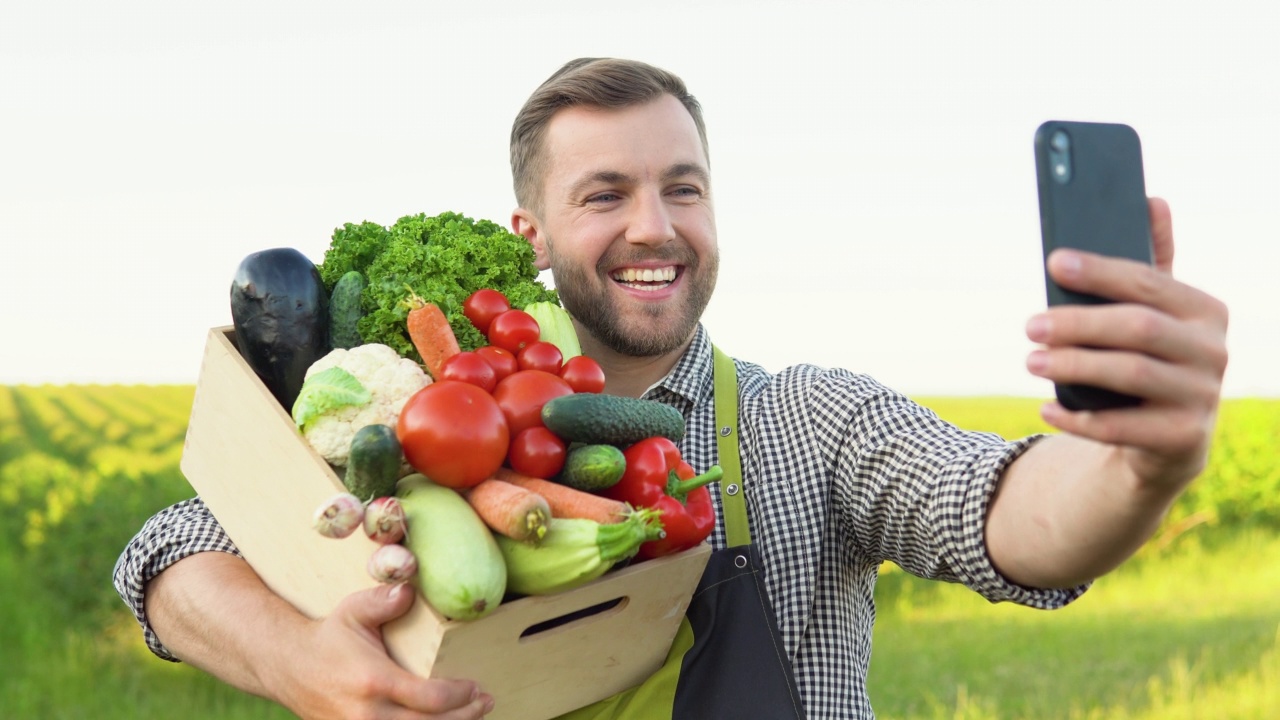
(1161, 234)
(371, 609)
(1133, 328)
(442, 699)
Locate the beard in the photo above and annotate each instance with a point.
(660, 328)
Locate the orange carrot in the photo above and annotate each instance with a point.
(567, 502)
(431, 334)
(509, 509)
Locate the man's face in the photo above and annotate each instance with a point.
(627, 226)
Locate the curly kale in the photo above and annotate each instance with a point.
(443, 259)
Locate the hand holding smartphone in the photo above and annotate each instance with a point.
(1092, 197)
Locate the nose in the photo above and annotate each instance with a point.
(650, 221)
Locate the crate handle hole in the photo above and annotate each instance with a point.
(586, 614)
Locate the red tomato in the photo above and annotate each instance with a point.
(522, 394)
(542, 356)
(537, 452)
(513, 330)
(454, 433)
(482, 306)
(502, 361)
(469, 367)
(583, 374)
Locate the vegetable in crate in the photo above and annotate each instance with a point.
(657, 478)
(575, 551)
(611, 419)
(461, 572)
(375, 462)
(280, 310)
(444, 259)
(347, 390)
(454, 433)
(345, 312)
(556, 327)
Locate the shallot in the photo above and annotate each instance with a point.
(384, 520)
(392, 564)
(339, 516)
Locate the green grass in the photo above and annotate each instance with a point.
(1191, 632)
(57, 668)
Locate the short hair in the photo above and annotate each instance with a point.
(589, 82)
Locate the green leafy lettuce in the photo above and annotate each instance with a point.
(443, 259)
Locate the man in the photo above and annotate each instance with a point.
(612, 177)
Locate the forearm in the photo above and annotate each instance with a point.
(1070, 510)
(214, 612)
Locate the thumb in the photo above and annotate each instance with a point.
(376, 606)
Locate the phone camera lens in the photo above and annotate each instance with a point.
(1060, 141)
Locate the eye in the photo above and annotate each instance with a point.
(604, 197)
(686, 192)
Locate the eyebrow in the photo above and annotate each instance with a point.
(613, 177)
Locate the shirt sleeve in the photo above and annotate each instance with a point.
(915, 490)
(168, 536)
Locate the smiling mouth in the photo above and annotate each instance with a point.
(646, 279)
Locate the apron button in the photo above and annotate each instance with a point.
(731, 489)
(725, 431)
(740, 561)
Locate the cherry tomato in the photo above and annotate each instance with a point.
(583, 374)
(522, 394)
(513, 329)
(482, 306)
(502, 361)
(454, 433)
(537, 452)
(542, 356)
(469, 367)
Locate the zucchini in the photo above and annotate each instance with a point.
(461, 572)
(592, 468)
(344, 310)
(280, 311)
(374, 464)
(575, 552)
(597, 419)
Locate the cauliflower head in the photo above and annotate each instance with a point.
(330, 413)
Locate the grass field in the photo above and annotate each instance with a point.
(1189, 629)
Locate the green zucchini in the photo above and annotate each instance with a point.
(461, 572)
(374, 464)
(345, 311)
(593, 418)
(592, 468)
(575, 551)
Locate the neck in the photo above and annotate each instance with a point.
(628, 375)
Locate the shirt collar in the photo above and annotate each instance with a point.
(691, 379)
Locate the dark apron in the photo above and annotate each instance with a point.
(727, 659)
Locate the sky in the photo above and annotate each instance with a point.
(872, 167)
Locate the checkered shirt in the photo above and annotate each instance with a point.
(841, 475)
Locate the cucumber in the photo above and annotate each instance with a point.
(592, 467)
(461, 571)
(374, 464)
(597, 419)
(344, 310)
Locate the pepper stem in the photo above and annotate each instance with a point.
(680, 489)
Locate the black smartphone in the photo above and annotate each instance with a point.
(1093, 197)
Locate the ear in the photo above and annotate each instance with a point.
(524, 223)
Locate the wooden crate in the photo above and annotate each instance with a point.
(246, 459)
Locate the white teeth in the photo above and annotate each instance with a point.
(647, 275)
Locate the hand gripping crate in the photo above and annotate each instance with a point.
(538, 656)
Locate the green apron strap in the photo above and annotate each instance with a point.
(732, 491)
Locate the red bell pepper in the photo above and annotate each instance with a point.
(656, 477)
